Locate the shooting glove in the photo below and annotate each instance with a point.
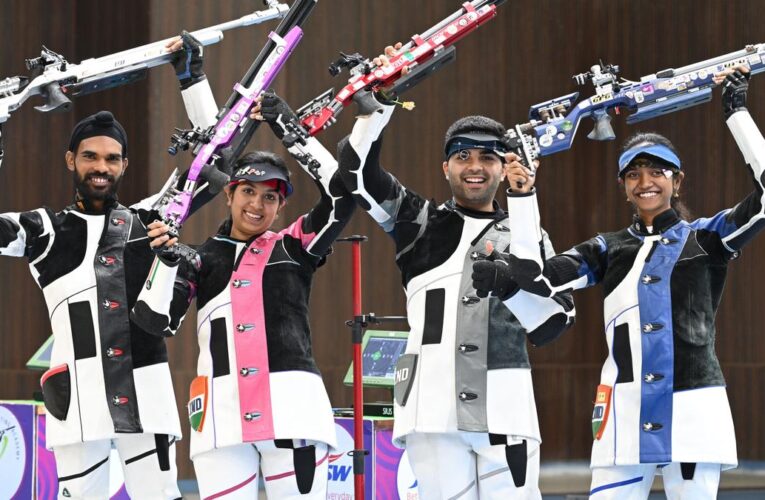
(188, 61)
(277, 113)
(734, 91)
(173, 255)
(493, 275)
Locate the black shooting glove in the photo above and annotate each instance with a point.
(493, 275)
(278, 114)
(734, 91)
(173, 255)
(188, 61)
(528, 276)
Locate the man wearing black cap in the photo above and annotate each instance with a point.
(464, 403)
(109, 382)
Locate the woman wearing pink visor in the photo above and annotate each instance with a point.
(258, 402)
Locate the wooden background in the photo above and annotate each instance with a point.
(525, 56)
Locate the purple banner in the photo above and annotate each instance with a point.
(394, 479)
(16, 450)
(340, 469)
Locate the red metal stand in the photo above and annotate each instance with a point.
(357, 328)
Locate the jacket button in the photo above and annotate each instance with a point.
(106, 260)
(241, 283)
(652, 327)
(244, 327)
(652, 427)
(653, 377)
(250, 416)
(110, 304)
(467, 396)
(119, 400)
(463, 348)
(649, 279)
(469, 300)
(248, 371)
(113, 352)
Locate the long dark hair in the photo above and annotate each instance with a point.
(251, 158)
(654, 138)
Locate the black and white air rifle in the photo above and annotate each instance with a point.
(553, 124)
(56, 80)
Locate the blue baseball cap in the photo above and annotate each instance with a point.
(657, 151)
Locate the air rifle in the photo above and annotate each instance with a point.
(423, 55)
(57, 80)
(216, 148)
(553, 124)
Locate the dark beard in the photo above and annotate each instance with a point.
(85, 191)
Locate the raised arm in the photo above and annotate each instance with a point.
(319, 228)
(738, 225)
(201, 110)
(375, 190)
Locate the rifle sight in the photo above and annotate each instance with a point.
(348, 61)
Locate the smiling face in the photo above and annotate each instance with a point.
(98, 167)
(254, 207)
(474, 176)
(649, 187)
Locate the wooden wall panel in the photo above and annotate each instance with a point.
(525, 56)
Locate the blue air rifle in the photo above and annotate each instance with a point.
(57, 80)
(553, 124)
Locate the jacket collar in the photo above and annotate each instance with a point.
(661, 222)
(498, 213)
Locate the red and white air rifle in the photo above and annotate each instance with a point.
(423, 55)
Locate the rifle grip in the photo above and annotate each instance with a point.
(55, 100)
(602, 131)
(214, 177)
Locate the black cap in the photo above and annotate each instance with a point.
(101, 123)
(261, 172)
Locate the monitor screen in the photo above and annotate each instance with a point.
(380, 351)
(41, 359)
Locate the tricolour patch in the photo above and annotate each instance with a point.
(601, 410)
(198, 403)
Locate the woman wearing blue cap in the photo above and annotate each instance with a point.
(661, 402)
(258, 402)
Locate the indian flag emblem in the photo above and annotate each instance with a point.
(601, 410)
(197, 403)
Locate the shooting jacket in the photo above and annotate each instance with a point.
(257, 379)
(108, 376)
(465, 366)
(662, 394)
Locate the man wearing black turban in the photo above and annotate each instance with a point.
(109, 383)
